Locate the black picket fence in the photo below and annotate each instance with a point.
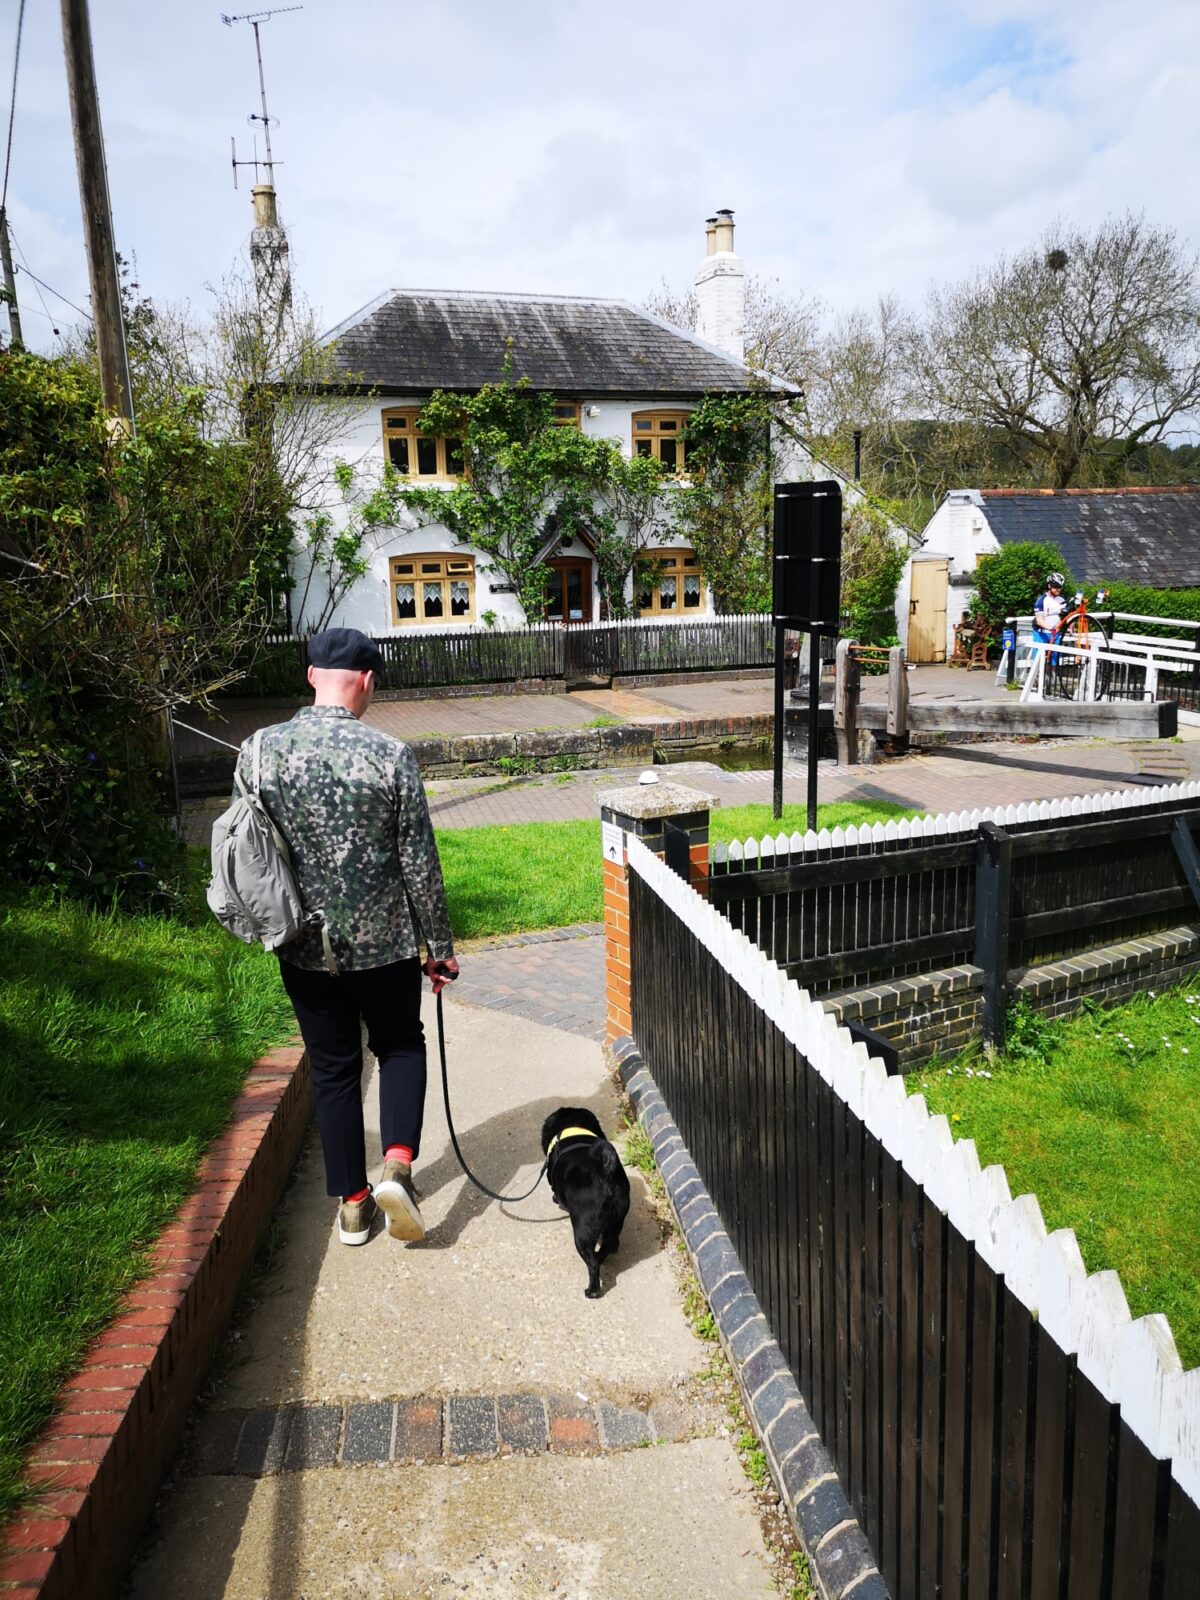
(1037, 888)
(465, 656)
(978, 1457)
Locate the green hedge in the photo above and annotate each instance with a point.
(1181, 603)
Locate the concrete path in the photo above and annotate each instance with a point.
(459, 715)
(455, 1418)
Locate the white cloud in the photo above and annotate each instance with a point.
(532, 145)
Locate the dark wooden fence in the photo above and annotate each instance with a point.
(464, 656)
(981, 1461)
(879, 905)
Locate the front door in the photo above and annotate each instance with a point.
(927, 610)
(570, 590)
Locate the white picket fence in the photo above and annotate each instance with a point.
(1133, 1363)
(942, 825)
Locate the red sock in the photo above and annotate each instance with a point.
(398, 1152)
(353, 1199)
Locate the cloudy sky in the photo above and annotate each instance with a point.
(550, 145)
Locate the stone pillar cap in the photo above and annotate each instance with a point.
(643, 802)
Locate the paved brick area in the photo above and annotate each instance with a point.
(555, 978)
(267, 1440)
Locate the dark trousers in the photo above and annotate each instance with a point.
(331, 1011)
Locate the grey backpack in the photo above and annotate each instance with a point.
(253, 891)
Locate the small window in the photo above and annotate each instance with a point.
(419, 455)
(672, 586)
(658, 434)
(433, 589)
(566, 414)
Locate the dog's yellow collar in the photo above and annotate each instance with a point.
(568, 1133)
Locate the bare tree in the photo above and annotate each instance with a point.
(781, 330)
(1073, 355)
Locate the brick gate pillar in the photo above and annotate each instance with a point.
(669, 819)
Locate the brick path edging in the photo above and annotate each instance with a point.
(840, 1558)
(98, 1464)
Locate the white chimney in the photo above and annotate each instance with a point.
(269, 257)
(721, 290)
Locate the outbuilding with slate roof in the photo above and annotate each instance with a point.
(614, 370)
(1147, 536)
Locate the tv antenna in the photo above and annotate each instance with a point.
(254, 18)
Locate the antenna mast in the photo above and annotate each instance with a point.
(254, 18)
(268, 241)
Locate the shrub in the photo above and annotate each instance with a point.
(1009, 581)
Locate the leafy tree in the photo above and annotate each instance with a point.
(139, 574)
(726, 508)
(872, 566)
(1011, 580)
(1076, 352)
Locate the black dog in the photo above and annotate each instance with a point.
(588, 1181)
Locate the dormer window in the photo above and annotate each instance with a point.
(660, 434)
(416, 455)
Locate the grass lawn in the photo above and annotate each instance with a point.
(547, 874)
(123, 1041)
(1099, 1117)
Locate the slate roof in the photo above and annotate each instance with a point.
(416, 340)
(1145, 536)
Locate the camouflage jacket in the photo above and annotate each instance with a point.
(349, 801)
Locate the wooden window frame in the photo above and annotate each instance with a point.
(646, 427)
(678, 562)
(407, 417)
(453, 567)
(570, 410)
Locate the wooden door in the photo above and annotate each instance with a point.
(570, 590)
(927, 611)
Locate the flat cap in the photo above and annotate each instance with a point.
(345, 650)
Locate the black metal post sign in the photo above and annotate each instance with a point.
(807, 571)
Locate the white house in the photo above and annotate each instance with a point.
(614, 370)
(1148, 536)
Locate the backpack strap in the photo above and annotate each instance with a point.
(331, 965)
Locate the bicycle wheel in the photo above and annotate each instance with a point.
(1079, 631)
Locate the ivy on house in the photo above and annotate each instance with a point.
(525, 481)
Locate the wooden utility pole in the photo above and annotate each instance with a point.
(97, 212)
(10, 286)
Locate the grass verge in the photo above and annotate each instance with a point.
(1098, 1115)
(123, 1042)
(548, 874)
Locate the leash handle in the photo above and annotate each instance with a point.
(462, 1160)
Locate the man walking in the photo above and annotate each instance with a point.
(349, 801)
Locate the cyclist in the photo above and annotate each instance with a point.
(1049, 609)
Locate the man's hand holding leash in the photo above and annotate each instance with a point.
(440, 973)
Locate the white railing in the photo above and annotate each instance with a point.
(1151, 655)
(1133, 1362)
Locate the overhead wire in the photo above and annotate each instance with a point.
(49, 288)
(12, 109)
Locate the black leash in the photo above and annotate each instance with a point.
(462, 1160)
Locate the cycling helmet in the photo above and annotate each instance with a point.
(1055, 579)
